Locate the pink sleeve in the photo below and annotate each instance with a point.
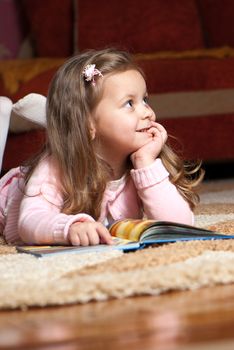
(160, 198)
(5, 182)
(40, 217)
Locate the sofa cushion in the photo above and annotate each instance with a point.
(20, 147)
(171, 75)
(208, 138)
(146, 27)
(51, 26)
(20, 77)
(217, 18)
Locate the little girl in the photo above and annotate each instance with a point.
(105, 159)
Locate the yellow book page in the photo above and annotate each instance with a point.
(129, 229)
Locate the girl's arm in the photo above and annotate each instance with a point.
(40, 219)
(161, 199)
(41, 222)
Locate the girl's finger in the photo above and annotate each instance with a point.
(104, 235)
(94, 238)
(162, 131)
(157, 125)
(154, 131)
(84, 239)
(74, 239)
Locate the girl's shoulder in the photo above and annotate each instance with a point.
(45, 171)
(45, 181)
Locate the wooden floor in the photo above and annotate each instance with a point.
(195, 320)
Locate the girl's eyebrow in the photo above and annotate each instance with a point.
(130, 96)
(126, 97)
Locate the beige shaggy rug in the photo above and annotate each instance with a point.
(73, 278)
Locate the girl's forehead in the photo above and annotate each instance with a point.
(126, 79)
(126, 74)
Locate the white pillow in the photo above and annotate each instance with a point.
(5, 113)
(28, 113)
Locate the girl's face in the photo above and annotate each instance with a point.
(122, 117)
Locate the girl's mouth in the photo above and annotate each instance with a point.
(143, 130)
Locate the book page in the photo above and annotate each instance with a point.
(129, 228)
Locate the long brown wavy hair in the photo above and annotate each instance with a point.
(70, 102)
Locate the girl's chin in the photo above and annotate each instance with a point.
(139, 145)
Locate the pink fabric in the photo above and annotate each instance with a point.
(36, 218)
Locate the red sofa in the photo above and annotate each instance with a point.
(188, 60)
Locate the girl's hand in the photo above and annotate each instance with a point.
(88, 233)
(147, 154)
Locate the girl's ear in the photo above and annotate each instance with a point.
(92, 130)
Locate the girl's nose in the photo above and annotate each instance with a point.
(149, 113)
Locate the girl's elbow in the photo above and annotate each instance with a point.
(26, 231)
(185, 217)
(26, 236)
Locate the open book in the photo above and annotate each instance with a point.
(130, 234)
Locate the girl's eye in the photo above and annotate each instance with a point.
(146, 100)
(129, 103)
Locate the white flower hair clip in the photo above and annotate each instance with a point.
(89, 73)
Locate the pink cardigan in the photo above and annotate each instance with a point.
(36, 218)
